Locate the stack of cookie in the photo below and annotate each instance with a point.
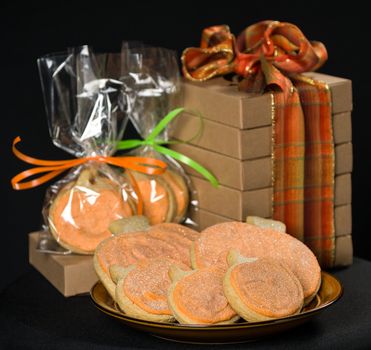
(165, 197)
(229, 271)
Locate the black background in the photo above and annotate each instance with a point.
(27, 33)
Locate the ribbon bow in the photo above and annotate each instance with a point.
(261, 53)
(151, 140)
(53, 168)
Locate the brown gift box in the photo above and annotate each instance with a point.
(236, 143)
(243, 144)
(220, 102)
(236, 204)
(70, 274)
(250, 174)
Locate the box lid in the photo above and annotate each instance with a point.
(219, 100)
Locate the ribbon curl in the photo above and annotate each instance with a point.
(262, 55)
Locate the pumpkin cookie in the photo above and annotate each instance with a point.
(159, 203)
(261, 289)
(216, 241)
(82, 211)
(180, 190)
(197, 297)
(141, 291)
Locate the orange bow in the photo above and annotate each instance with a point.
(262, 50)
(53, 168)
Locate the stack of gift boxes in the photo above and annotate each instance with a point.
(236, 145)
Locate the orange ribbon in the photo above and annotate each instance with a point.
(261, 53)
(53, 168)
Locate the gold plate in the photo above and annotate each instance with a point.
(330, 291)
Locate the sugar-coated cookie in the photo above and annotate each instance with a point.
(159, 204)
(261, 289)
(142, 289)
(80, 214)
(216, 241)
(180, 190)
(197, 297)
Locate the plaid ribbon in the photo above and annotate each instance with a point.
(269, 56)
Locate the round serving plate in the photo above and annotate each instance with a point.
(242, 331)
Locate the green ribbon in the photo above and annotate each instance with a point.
(150, 140)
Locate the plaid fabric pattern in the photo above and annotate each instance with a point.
(269, 56)
(319, 230)
(303, 161)
(288, 163)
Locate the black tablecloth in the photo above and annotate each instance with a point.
(33, 315)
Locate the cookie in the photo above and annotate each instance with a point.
(197, 297)
(142, 289)
(261, 289)
(216, 241)
(159, 203)
(127, 249)
(80, 214)
(181, 194)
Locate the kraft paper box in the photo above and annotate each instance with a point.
(220, 102)
(70, 274)
(253, 173)
(244, 144)
(236, 205)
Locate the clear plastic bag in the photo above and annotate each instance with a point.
(152, 81)
(85, 106)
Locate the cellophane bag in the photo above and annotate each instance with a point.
(84, 103)
(152, 82)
